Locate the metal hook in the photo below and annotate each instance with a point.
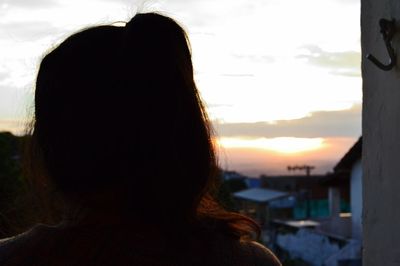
(388, 30)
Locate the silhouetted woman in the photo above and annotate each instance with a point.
(121, 133)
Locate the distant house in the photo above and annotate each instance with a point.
(297, 183)
(251, 182)
(311, 194)
(255, 202)
(345, 183)
(350, 167)
(228, 175)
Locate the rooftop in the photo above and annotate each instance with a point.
(260, 195)
(353, 155)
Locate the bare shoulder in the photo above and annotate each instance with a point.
(232, 251)
(7, 243)
(8, 246)
(260, 255)
(13, 249)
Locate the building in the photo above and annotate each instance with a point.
(311, 194)
(350, 167)
(334, 239)
(255, 202)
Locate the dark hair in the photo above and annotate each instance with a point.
(117, 113)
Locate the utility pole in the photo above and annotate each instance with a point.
(307, 168)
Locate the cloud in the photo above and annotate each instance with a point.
(4, 76)
(207, 13)
(232, 75)
(340, 63)
(349, 2)
(14, 102)
(255, 58)
(28, 30)
(29, 3)
(345, 123)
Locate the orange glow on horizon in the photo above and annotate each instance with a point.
(285, 145)
(254, 161)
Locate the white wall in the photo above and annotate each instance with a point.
(334, 201)
(356, 200)
(381, 141)
(309, 246)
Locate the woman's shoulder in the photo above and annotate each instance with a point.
(259, 254)
(7, 243)
(245, 252)
(17, 240)
(16, 245)
(224, 250)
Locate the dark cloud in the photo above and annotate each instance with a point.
(340, 63)
(320, 124)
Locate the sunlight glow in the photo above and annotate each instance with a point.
(255, 69)
(287, 145)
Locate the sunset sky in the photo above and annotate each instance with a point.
(280, 78)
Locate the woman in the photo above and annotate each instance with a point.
(122, 135)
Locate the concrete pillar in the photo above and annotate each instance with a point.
(334, 202)
(356, 200)
(381, 139)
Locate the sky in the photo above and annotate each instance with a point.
(280, 78)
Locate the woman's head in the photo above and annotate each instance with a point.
(118, 107)
(117, 111)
